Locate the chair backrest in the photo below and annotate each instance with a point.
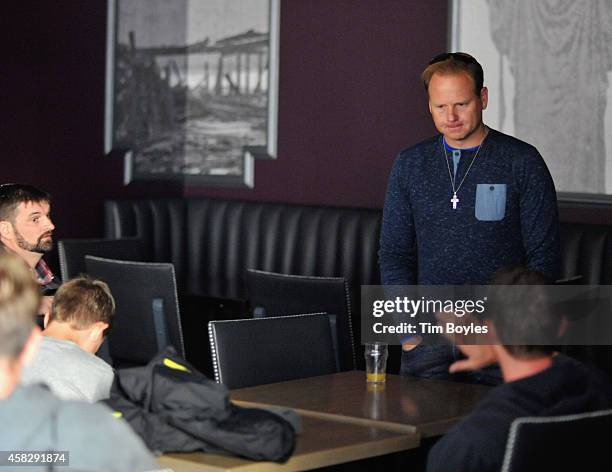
(72, 253)
(147, 317)
(568, 442)
(265, 350)
(273, 294)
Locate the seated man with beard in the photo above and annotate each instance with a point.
(26, 229)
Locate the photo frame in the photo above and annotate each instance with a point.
(548, 70)
(192, 88)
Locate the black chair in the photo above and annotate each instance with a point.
(258, 351)
(559, 443)
(273, 294)
(147, 317)
(72, 253)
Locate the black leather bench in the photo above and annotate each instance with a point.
(212, 242)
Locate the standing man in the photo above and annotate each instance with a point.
(26, 229)
(464, 204)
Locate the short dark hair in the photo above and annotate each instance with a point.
(11, 195)
(526, 314)
(83, 301)
(453, 63)
(19, 299)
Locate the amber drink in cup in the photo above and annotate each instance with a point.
(376, 362)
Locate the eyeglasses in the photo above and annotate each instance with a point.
(458, 56)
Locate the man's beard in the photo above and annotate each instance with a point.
(41, 246)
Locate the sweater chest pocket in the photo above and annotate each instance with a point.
(490, 202)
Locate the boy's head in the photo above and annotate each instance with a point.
(19, 336)
(85, 307)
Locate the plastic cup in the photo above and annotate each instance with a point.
(376, 362)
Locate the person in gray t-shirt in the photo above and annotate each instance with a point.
(87, 437)
(81, 313)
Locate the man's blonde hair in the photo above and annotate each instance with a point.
(83, 301)
(19, 300)
(452, 63)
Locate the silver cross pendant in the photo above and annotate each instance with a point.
(454, 201)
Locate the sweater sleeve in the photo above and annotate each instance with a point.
(397, 254)
(539, 216)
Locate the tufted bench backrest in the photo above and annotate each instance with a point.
(227, 237)
(586, 250)
(212, 242)
(160, 223)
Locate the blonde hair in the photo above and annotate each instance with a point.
(19, 300)
(452, 63)
(82, 302)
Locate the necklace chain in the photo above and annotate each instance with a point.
(455, 200)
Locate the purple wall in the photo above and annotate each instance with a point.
(52, 120)
(350, 99)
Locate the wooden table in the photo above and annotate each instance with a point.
(323, 442)
(345, 419)
(402, 404)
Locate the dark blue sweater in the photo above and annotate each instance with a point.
(514, 221)
(478, 443)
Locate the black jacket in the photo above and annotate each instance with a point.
(175, 408)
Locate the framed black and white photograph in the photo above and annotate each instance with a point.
(548, 66)
(192, 88)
